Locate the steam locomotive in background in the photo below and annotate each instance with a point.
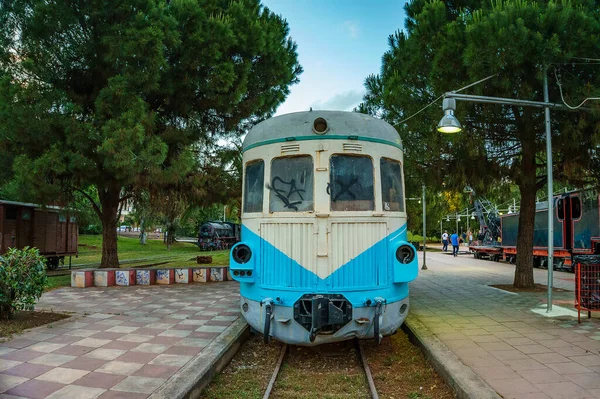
(217, 235)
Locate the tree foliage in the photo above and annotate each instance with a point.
(447, 45)
(112, 95)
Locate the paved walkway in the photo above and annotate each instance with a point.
(124, 342)
(506, 338)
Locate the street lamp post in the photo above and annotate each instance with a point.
(449, 124)
(424, 267)
(457, 220)
(422, 199)
(550, 195)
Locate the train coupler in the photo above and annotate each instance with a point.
(322, 313)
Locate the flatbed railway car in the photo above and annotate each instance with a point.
(52, 230)
(324, 255)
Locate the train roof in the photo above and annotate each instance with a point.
(29, 205)
(306, 125)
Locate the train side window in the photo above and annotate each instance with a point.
(25, 214)
(11, 213)
(253, 186)
(575, 208)
(292, 184)
(391, 185)
(560, 208)
(351, 183)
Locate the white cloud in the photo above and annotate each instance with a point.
(345, 101)
(351, 28)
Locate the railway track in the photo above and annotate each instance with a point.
(287, 352)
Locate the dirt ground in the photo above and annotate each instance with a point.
(26, 320)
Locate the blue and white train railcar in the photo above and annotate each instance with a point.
(324, 255)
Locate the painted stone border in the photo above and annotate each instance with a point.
(145, 277)
(82, 278)
(184, 276)
(104, 278)
(125, 277)
(85, 278)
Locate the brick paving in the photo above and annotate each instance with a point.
(518, 352)
(123, 342)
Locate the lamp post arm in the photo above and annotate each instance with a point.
(507, 101)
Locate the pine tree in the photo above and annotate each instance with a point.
(448, 45)
(112, 94)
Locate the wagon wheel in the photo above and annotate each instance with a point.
(52, 263)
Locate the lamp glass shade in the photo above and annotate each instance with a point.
(449, 124)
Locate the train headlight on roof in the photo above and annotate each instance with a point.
(405, 254)
(242, 254)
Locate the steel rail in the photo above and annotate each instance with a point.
(284, 350)
(363, 361)
(365, 364)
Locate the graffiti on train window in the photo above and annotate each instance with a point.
(254, 186)
(391, 185)
(291, 184)
(351, 183)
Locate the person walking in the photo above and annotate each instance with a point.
(455, 243)
(445, 241)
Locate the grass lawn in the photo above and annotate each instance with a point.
(134, 254)
(90, 249)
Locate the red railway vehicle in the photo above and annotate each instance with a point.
(52, 230)
(576, 230)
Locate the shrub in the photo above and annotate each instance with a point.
(22, 280)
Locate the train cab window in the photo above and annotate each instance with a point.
(391, 185)
(292, 184)
(575, 208)
(560, 209)
(11, 213)
(351, 183)
(254, 186)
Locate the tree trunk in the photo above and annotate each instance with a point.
(109, 201)
(528, 189)
(142, 232)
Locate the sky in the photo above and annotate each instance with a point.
(340, 43)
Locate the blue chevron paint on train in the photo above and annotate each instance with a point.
(254, 289)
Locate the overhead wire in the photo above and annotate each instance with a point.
(434, 101)
(563, 98)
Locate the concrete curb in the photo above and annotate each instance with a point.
(465, 383)
(198, 372)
